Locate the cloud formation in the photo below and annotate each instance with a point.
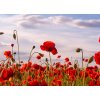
(37, 21)
(67, 32)
(88, 23)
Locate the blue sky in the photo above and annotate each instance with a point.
(68, 31)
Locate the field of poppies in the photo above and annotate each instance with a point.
(17, 73)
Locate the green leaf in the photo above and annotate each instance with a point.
(14, 36)
(90, 59)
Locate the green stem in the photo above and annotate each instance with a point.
(83, 77)
(12, 51)
(82, 58)
(50, 59)
(18, 48)
(31, 56)
(15, 32)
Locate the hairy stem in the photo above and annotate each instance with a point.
(18, 49)
(31, 54)
(50, 59)
(82, 58)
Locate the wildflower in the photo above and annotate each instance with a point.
(8, 54)
(54, 51)
(38, 57)
(58, 82)
(33, 83)
(99, 40)
(36, 66)
(92, 83)
(49, 46)
(69, 63)
(29, 78)
(85, 60)
(97, 58)
(4, 74)
(67, 59)
(58, 56)
(44, 83)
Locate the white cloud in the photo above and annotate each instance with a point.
(35, 21)
(66, 32)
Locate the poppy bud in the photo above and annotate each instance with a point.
(46, 59)
(41, 54)
(1, 33)
(14, 53)
(33, 47)
(91, 59)
(12, 45)
(78, 50)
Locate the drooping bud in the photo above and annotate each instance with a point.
(46, 59)
(91, 59)
(33, 47)
(1, 33)
(14, 36)
(14, 53)
(78, 50)
(41, 54)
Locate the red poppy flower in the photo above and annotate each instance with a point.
(49, 46)
(36, 66)
(54, 51)
(33, 83)
(29, 78)
(67, 59)
(85, 60)
(58, 82)
(97, 58)
(69, 63)
(10, 72)
(58, 56)
(92, 83)
(43, 83)
(38, 57)
(99, 39)
(4, 74)
(8, 54)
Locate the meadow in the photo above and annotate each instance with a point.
(17, 73)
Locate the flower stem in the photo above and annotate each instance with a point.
(50, 59)
(82, 58)
(15, 32)
(12, 51)
(31, 54)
